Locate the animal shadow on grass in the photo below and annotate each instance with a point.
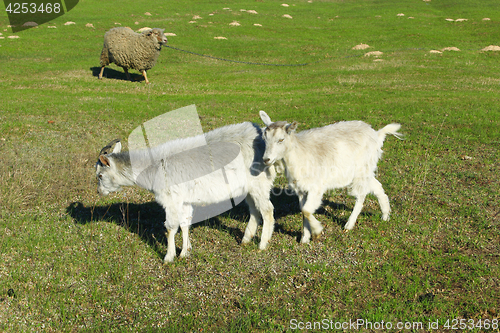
(286, 203)
(111, 73)
(147, 220)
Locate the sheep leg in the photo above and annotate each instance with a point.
(253, 222)
(169, 257)
(100, 74)
(360, 199)
(309, 204)
(128, 75)
(145, 76)
(383, 199)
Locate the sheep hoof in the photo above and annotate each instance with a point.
(184, 254)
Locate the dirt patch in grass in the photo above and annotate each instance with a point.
(491, 48)
(361, 47)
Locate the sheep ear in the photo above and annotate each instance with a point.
(265, 118)
(291, 127)
(104, 160)
(118, 148)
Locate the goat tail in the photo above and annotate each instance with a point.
(389, 129)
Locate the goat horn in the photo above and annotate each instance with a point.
(108, 147)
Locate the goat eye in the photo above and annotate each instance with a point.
(100, 176)
(280, 140)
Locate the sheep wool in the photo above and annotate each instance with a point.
(129, 49)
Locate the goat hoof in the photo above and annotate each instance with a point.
(245, 241)
(168, 259)
(316, 236)
(317, 233)
(262, 247)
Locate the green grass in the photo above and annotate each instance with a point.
(73, 261)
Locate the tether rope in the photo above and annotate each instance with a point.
(238, 61)
(287, 65)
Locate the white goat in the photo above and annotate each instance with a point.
(340, 155)
(215, 168)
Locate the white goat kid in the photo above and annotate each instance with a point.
(179, 178)
(343, 154)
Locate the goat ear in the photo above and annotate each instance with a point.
(118, 147)
(104, 160)
(291, 127)
(265, 118)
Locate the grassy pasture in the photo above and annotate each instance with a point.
(73, 261)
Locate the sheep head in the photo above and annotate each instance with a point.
(159, 34)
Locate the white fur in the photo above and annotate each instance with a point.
(246, 176)
(343, 154)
